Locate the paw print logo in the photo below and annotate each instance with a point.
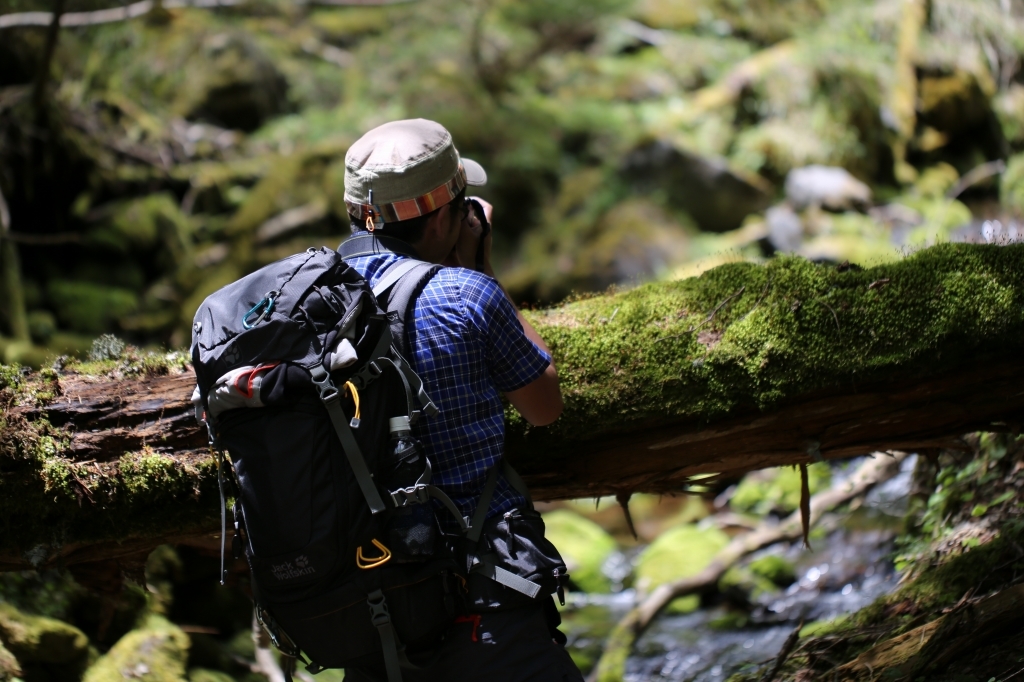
(302, 561)
(231, 356)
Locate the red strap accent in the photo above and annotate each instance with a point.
(250, 376)
(474, 619)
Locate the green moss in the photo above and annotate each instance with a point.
(88, 307)
(584, 545)
(46, 641)
(730, 620)
(764, 575)
(779, 570)
(778, 489)
(10, 377)
(157, 651)
(10, 669)
(679, 552)
(742, 581)
(154, 221)
(788, 327)
(820, 628)
(935, 181)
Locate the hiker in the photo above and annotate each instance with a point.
(405, 190)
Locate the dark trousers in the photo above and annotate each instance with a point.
(494, 646)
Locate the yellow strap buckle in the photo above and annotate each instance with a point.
(373, 562)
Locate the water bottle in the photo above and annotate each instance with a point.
(411, 528)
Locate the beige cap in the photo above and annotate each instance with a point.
(405, 169)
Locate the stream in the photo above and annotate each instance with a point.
(845, 570)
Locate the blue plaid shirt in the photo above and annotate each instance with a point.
(467, 346)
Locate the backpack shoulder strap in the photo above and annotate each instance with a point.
(398, 289)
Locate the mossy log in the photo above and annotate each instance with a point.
(746, 367)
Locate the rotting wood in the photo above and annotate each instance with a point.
(933, 645)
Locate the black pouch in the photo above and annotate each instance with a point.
(514, 543)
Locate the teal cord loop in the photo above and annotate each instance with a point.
(264, 309)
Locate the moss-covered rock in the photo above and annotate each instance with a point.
(679, 552)
(763, 575)
(46, 648)
(239, 85)
(10, 669)
(778, 490)
(90, 308)
(157, 651)
(777, 569)
(584, 545)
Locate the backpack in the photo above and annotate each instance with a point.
(299, 374)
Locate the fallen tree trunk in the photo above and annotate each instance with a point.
(743, 368)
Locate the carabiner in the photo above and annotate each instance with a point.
(267, 305)
(367, 563)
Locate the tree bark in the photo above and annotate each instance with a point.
(743, 368)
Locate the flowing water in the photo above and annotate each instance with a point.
(844, 571)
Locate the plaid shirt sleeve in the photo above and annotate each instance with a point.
(512, 359)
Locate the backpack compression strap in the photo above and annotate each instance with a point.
(329, 396)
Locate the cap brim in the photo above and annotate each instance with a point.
(475, 173)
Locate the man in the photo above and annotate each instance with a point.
(405, 185)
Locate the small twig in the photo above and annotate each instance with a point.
(878, 283)
(1013, 675)
(787, 649)
(805, 506)
(976, 175)
(718, 307)
(834, 316)
(707, 319)
(83, 486)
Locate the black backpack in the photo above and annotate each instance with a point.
(299, 372)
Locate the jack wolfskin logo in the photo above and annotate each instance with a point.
(231, 356)
(293, 569)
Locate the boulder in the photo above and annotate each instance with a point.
(157, 651)
(717, 197)
(10, 669)
(826, 186)
(785, 229)
(584, 545)
(763, 575)
(46, 648)
(238, 85)
(679, 552)
(90, 308)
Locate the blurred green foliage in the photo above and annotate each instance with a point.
(172, 142)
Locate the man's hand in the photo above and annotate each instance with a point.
(470, 230)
